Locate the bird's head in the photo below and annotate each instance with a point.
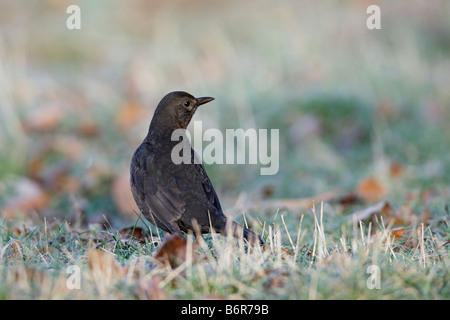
(177, 108)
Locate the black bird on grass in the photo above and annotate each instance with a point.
(178, 197)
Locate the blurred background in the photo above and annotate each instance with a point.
(350, 103)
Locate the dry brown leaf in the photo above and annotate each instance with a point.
(150, 290)
(173, 251)
(276, 278)
(34, 167)
(122, 196)
(427, 195)
(396, 169)
(383, 207)
(26, 275)
(129, 114)
(286, 253)
(103, 266)
(398, 233)
(135, 233)
(349, 199)
(21, 231)
(403, 215)
(292, 204)
(59, 178)
(336, 258)
(425, 217)
(88, 128)
(371, 189)
(414, 238)
(44, 119)
(70, 146)
(12, 249)
(272, 277)
(28, 197)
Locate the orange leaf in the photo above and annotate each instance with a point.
(381, 207)
(29, 197)
(88, 128)
(398, 232)
(396, 169)
(136, 233)
(129, 114)
(44, 119)
(426, 216)
(371, 189)
(405, 214)
(12, 249)
(349, 199)
(150, 290)
(122, 196)
(104, 266)
(173, 251)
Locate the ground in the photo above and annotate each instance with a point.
(359, 208)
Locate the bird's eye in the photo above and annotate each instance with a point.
(186, 104)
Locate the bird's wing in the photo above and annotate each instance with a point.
(206, 183)
(163, 198)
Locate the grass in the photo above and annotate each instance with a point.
(322, 259)
(350, 104)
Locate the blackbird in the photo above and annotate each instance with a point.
(178, 197)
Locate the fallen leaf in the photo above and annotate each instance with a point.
(349, 199)
(71, 147)
(88, 128)
(28, 197)
(103, 266)
(396, 169)
(58, 177)
(272, 277)
(275, 278)
(21, 231)
(398, 233)
(122, 196)
(129, 114)
(425, 217)
(414, 239)
(290, 204)
(403, 215)
(44, 119)
(342, 259)
(427, 195)
(371, 189)
(267, 191)
(383, 207)
(135, 233)
(173, 251)
(150, 290)
(27, 274)
(285, 253)
(12, 249)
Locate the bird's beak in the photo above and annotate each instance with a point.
(204, 100)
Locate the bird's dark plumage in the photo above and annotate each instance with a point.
(177, 197)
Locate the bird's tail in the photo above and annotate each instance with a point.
(240, 232)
